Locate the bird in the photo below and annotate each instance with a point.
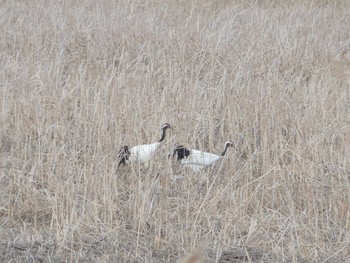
(143, 153)
(195, 159)
(123, 155)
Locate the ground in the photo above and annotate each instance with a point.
(81, 79)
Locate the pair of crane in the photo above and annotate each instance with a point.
(194, 159)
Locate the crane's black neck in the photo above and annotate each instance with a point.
(225, 149)
(163, 134)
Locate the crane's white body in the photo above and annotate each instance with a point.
(143, 153)
(198, 160)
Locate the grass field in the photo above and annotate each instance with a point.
(80, 79)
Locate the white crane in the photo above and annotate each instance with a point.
(144, 153)
(195, 159)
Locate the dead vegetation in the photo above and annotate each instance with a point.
(81, 79)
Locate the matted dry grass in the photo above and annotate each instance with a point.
(81, 79)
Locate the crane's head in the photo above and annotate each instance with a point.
(228, 144)
(166, 126)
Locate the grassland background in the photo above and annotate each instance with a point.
(79, 79)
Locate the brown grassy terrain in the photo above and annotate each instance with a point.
(81, 79)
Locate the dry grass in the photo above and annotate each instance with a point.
(81, 79)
